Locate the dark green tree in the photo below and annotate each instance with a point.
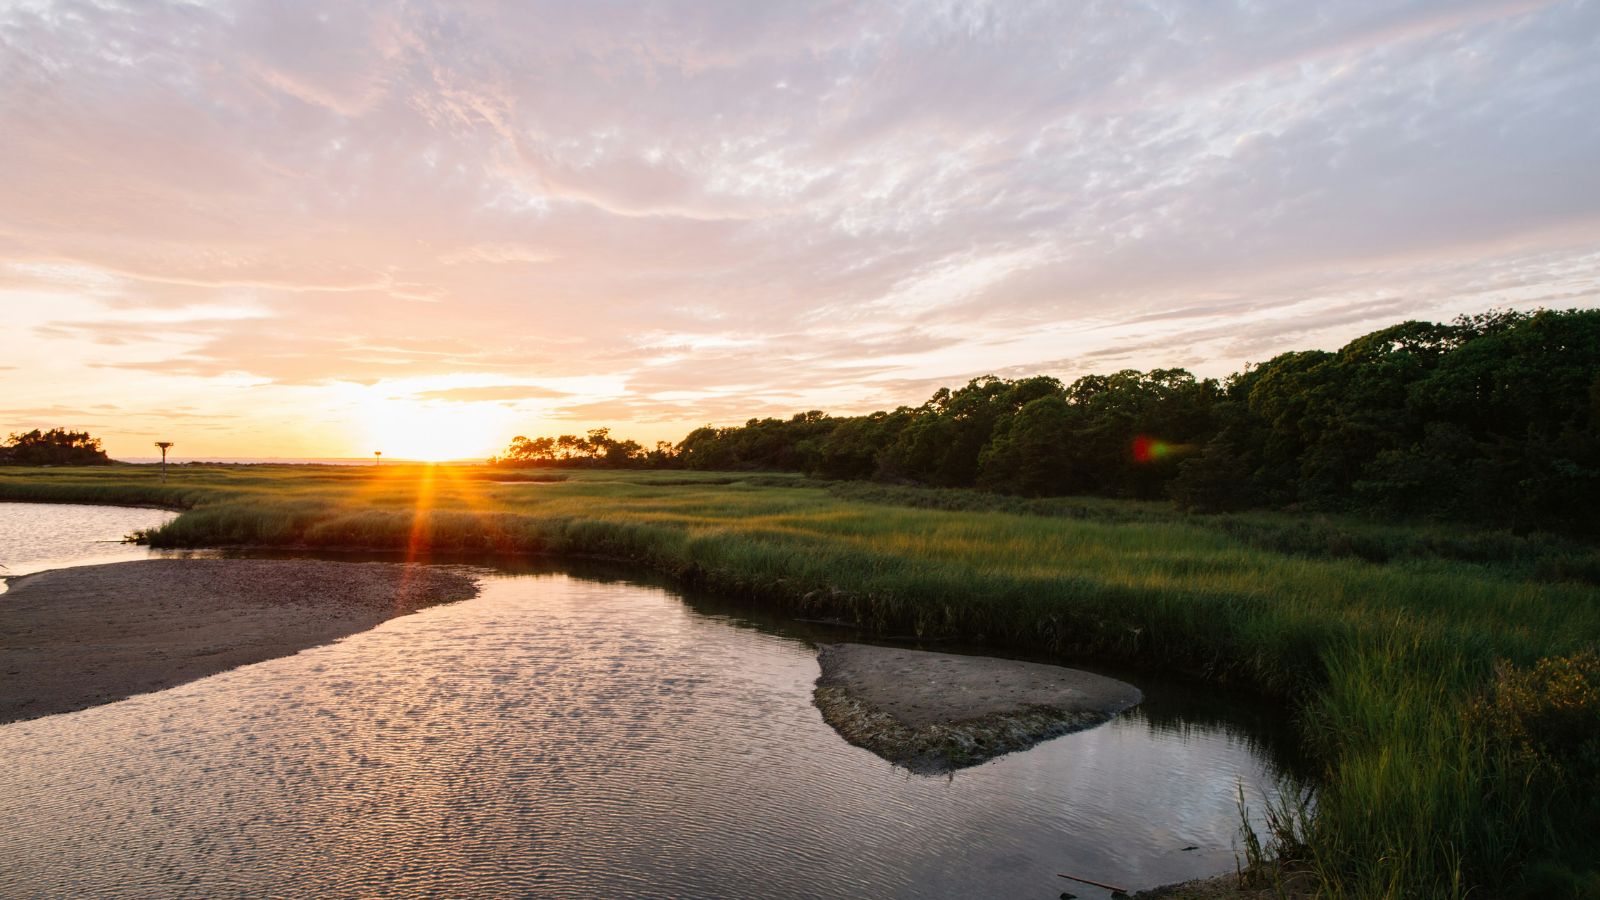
(56, 447)
(1031, 452)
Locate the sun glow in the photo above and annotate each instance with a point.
(431, 430)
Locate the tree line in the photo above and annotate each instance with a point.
(1492, 418)
(597, 448)
(56, 447)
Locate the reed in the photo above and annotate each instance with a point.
(1381, 659)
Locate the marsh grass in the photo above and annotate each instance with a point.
(1537, 555)
(1380, 660)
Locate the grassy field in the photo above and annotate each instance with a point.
(1391, 644)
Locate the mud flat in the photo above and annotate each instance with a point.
(79, 637)
(936, 712)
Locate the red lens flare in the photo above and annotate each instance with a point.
(1148, 449)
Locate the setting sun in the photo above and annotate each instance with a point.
(433, 430)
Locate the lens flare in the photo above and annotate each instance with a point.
(1147, 449)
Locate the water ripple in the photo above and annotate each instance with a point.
(563, 737)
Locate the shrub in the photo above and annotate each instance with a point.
(1548, 716)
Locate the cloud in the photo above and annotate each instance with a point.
(733, 209)
(491, 394)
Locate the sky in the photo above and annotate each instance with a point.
(288, 228)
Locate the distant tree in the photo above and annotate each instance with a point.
(854, 448)
(664, 454)
(1031, 452)
(528, 450)
(1218, 479)
(943, 442)
(597, 448)
(1492, 418)
(1169, 407)
(703, 449)
(791, 444)
(1521, 390)
(56, 447)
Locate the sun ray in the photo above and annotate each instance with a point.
(470, 492)
(418, 544)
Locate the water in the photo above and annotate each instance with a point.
(39, 536)
(571, 733)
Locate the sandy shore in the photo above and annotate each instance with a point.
(936, 712)
(75, 638)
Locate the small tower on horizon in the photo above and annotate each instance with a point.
(165, 446)
(377, 457)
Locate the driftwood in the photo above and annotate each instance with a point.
(1099, 884)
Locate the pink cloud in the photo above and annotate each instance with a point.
(867, 198)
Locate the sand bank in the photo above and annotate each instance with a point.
(79, 637)
(935, 712)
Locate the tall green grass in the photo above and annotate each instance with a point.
(1379, 660)
(1539, 555)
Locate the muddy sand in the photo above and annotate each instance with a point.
(936, 712)
(75, 638)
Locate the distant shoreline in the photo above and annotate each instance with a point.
(290, 461)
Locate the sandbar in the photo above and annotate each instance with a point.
(936, 712)
(79, 637)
